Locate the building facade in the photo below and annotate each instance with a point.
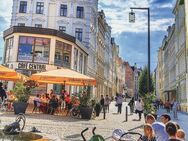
(29, 50)
(172, 59)
(77, 18)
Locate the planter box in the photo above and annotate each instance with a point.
(20, 107)
(86, 112)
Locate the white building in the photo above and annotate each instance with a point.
(74, 17)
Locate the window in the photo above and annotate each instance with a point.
(63, 10)
(78, 34)
(81, 63)
(42, 47)
(62, 28)
(33, 49)
(23, 7)
(80, 12)
(75, 59)
(21, 24)
(40, 8)
(38, 25)
(9, 50)
(25, 49)
(62, 54)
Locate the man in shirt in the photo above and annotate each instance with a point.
(2, 92)
(158, 127)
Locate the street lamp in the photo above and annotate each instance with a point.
(132, 19)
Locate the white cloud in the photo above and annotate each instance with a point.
(118, 16)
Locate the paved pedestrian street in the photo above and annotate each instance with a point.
(68, 129)
(62, 128)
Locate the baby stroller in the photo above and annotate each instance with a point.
(121, 135)
(94, 137)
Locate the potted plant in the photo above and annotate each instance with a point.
(86, 106)
(149, 107)
(22, 91)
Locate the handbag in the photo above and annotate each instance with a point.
(116, 104)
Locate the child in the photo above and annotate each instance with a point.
(148, 133)
(180, 134)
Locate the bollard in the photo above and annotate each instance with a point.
(126, 113)
(104, 116)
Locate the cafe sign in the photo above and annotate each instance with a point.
(32, 66)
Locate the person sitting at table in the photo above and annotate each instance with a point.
(53, 105)
(68, 103)
(51, 93)
(11, 98)
(37, 103)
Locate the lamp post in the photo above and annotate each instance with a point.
(132, 20)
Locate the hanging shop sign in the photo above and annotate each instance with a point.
(31, 66)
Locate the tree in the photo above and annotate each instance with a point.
(143, 82)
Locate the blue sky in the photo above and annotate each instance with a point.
(131, 37)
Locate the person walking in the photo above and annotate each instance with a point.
(102, 103)
(131, 105)
(119, 101)
(139, 108)
(175, 109)
(107, 101)
(3, 94)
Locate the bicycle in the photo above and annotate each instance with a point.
(95, 137)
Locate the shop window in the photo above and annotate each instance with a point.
(42, 47)
(80, 12)
(25, 49)
(75, 59)
(33, 49)
(9, 46)
(81, 62)
(62, 54)
(23, 7)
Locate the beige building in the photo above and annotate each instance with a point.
(172, 59)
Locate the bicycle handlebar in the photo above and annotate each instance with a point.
(82, 133)
(132, 133)
(93, 131)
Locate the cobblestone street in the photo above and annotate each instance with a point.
(68, 129)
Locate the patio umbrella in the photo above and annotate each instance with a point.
(64, 76)
(11, 75)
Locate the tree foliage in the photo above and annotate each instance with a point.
(143, 82)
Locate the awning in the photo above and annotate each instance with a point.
(64, 76)
(11, 75)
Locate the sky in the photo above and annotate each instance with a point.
(131, 37)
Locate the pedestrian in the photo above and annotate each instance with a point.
(3, 94)
(171, 129)
(131, 105)
(119, 101)
(164, 118)
(158, 127)
(175, 109)
(107, 102)
(102, 103)
(139, 108)
(148, 133)
(180, 134)
(167, 106)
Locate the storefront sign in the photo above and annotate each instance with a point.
(32, 66)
